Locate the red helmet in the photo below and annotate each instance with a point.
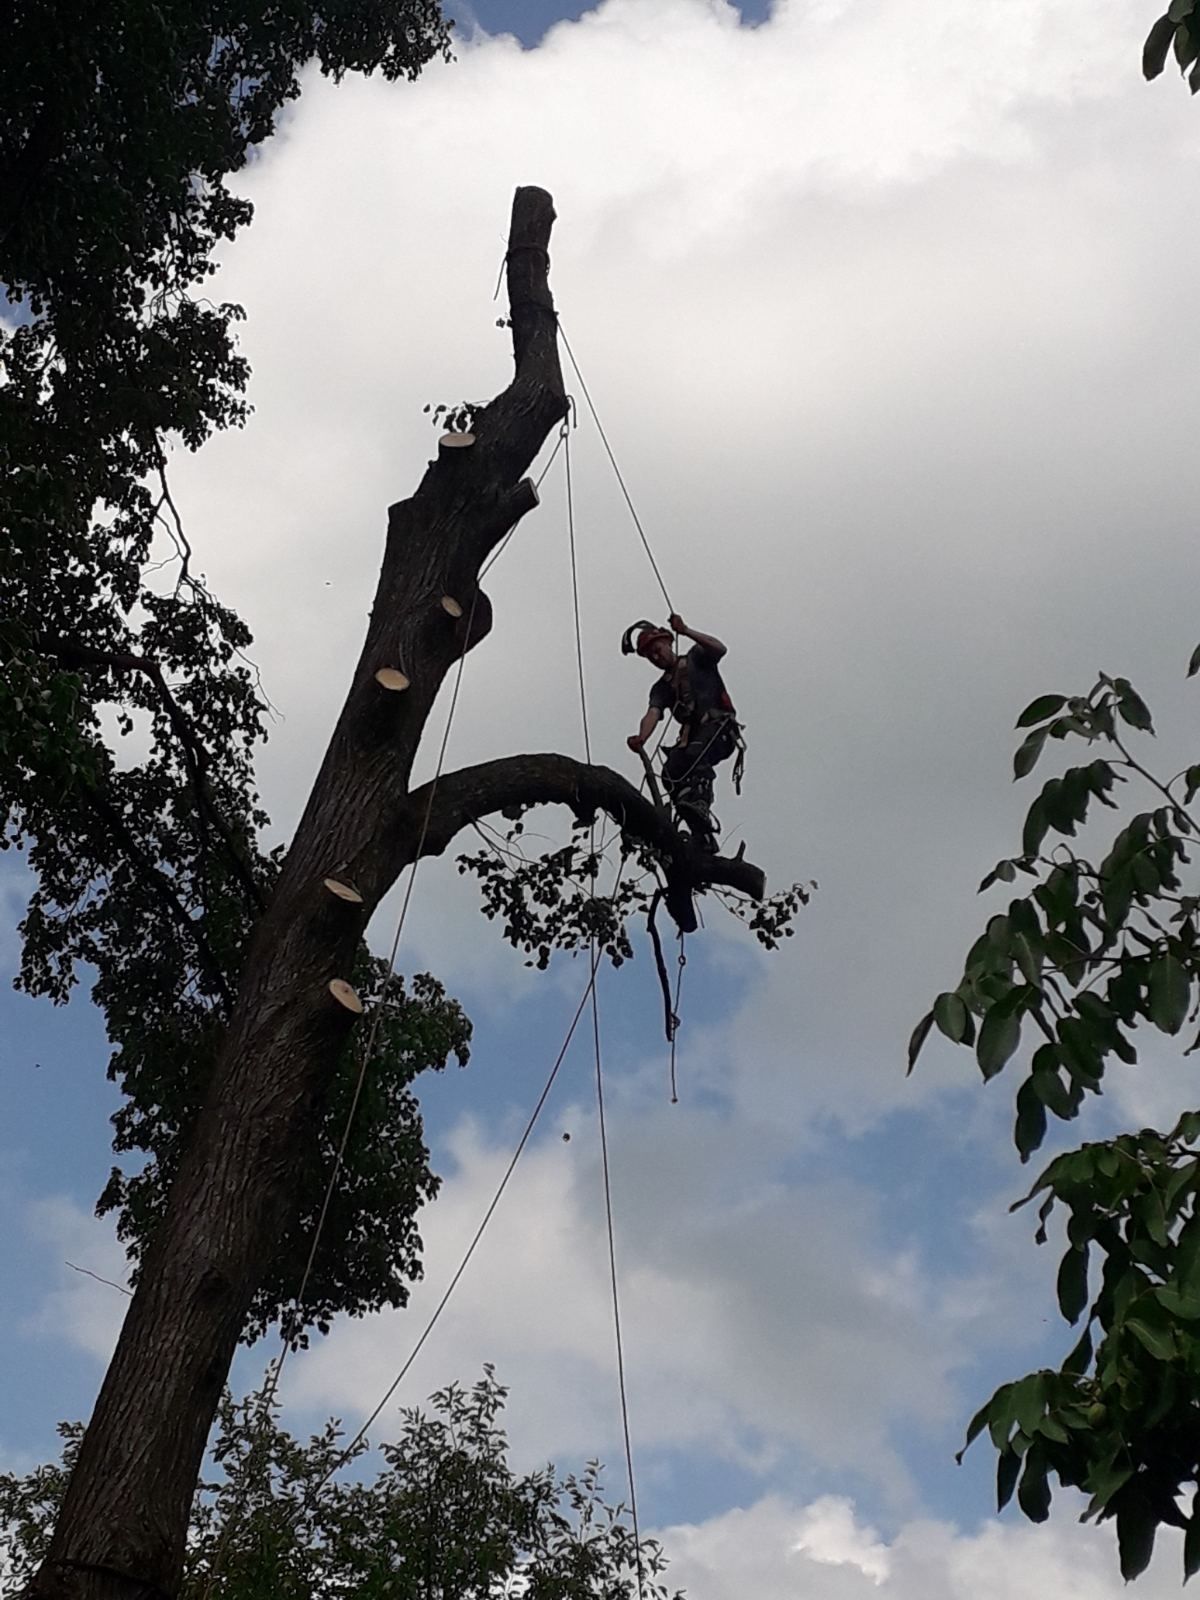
(648, 635)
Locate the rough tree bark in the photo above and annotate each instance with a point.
(121, 1532)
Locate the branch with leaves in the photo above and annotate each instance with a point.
(1102, 945)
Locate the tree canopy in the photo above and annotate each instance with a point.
(444, 1518)
(129, 711)
(1105, 942)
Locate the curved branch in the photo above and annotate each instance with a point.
(458, 798)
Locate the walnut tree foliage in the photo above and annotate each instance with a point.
(551, 901)
(129, 713)
(445, 1517)
(1176, 33)
(1102, 941)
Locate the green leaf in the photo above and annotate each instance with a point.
(1051, 1428)
(1154, 59)
(1049, 1087)
(1029, 1402)
(1028, 752)
(919, 1035)
(1178, 9)
(974, 1428)
(1185, 1306)
(1038, 710)
(1080, 1358)
(1136, 1527)
(1103, 1481)
(1194, 663)
(1159, 1341)
(1036, 824)
(1033, 1495)
(1073, 1283)
(999, 1036)
(950, 1014)
(1030, 1128)
(1008, 1468)
(1029, 959)
(1170, 993)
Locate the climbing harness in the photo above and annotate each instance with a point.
(691, 788)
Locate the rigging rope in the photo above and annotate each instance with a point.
(637, 521)
(673, 1012)
(595, 958)
(271, 1388)
(588, 993)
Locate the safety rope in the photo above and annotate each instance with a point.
(595, 1006)
(637, 521)
(589, 992)
(271, 1388)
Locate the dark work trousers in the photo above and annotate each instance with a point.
(689, 774)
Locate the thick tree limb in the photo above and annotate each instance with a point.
(460, 797)
(536, 398)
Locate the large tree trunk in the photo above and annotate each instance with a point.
(121, 1532)
(122, 1526)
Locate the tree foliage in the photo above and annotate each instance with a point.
(1176, 33)
(1105, 943)
(129, 714)
(445, 1518)
(552, 900)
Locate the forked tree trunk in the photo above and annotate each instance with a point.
(121, 1532)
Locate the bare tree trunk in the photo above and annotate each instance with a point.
(121, 1532)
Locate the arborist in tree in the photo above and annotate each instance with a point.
(691, 688)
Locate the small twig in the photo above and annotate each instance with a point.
(1151, 779)
(88, 1273)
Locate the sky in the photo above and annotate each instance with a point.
(883, 308)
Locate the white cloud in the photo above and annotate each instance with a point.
(776, 1550)
(759, 1317)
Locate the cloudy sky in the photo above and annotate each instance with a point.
(884, 307)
